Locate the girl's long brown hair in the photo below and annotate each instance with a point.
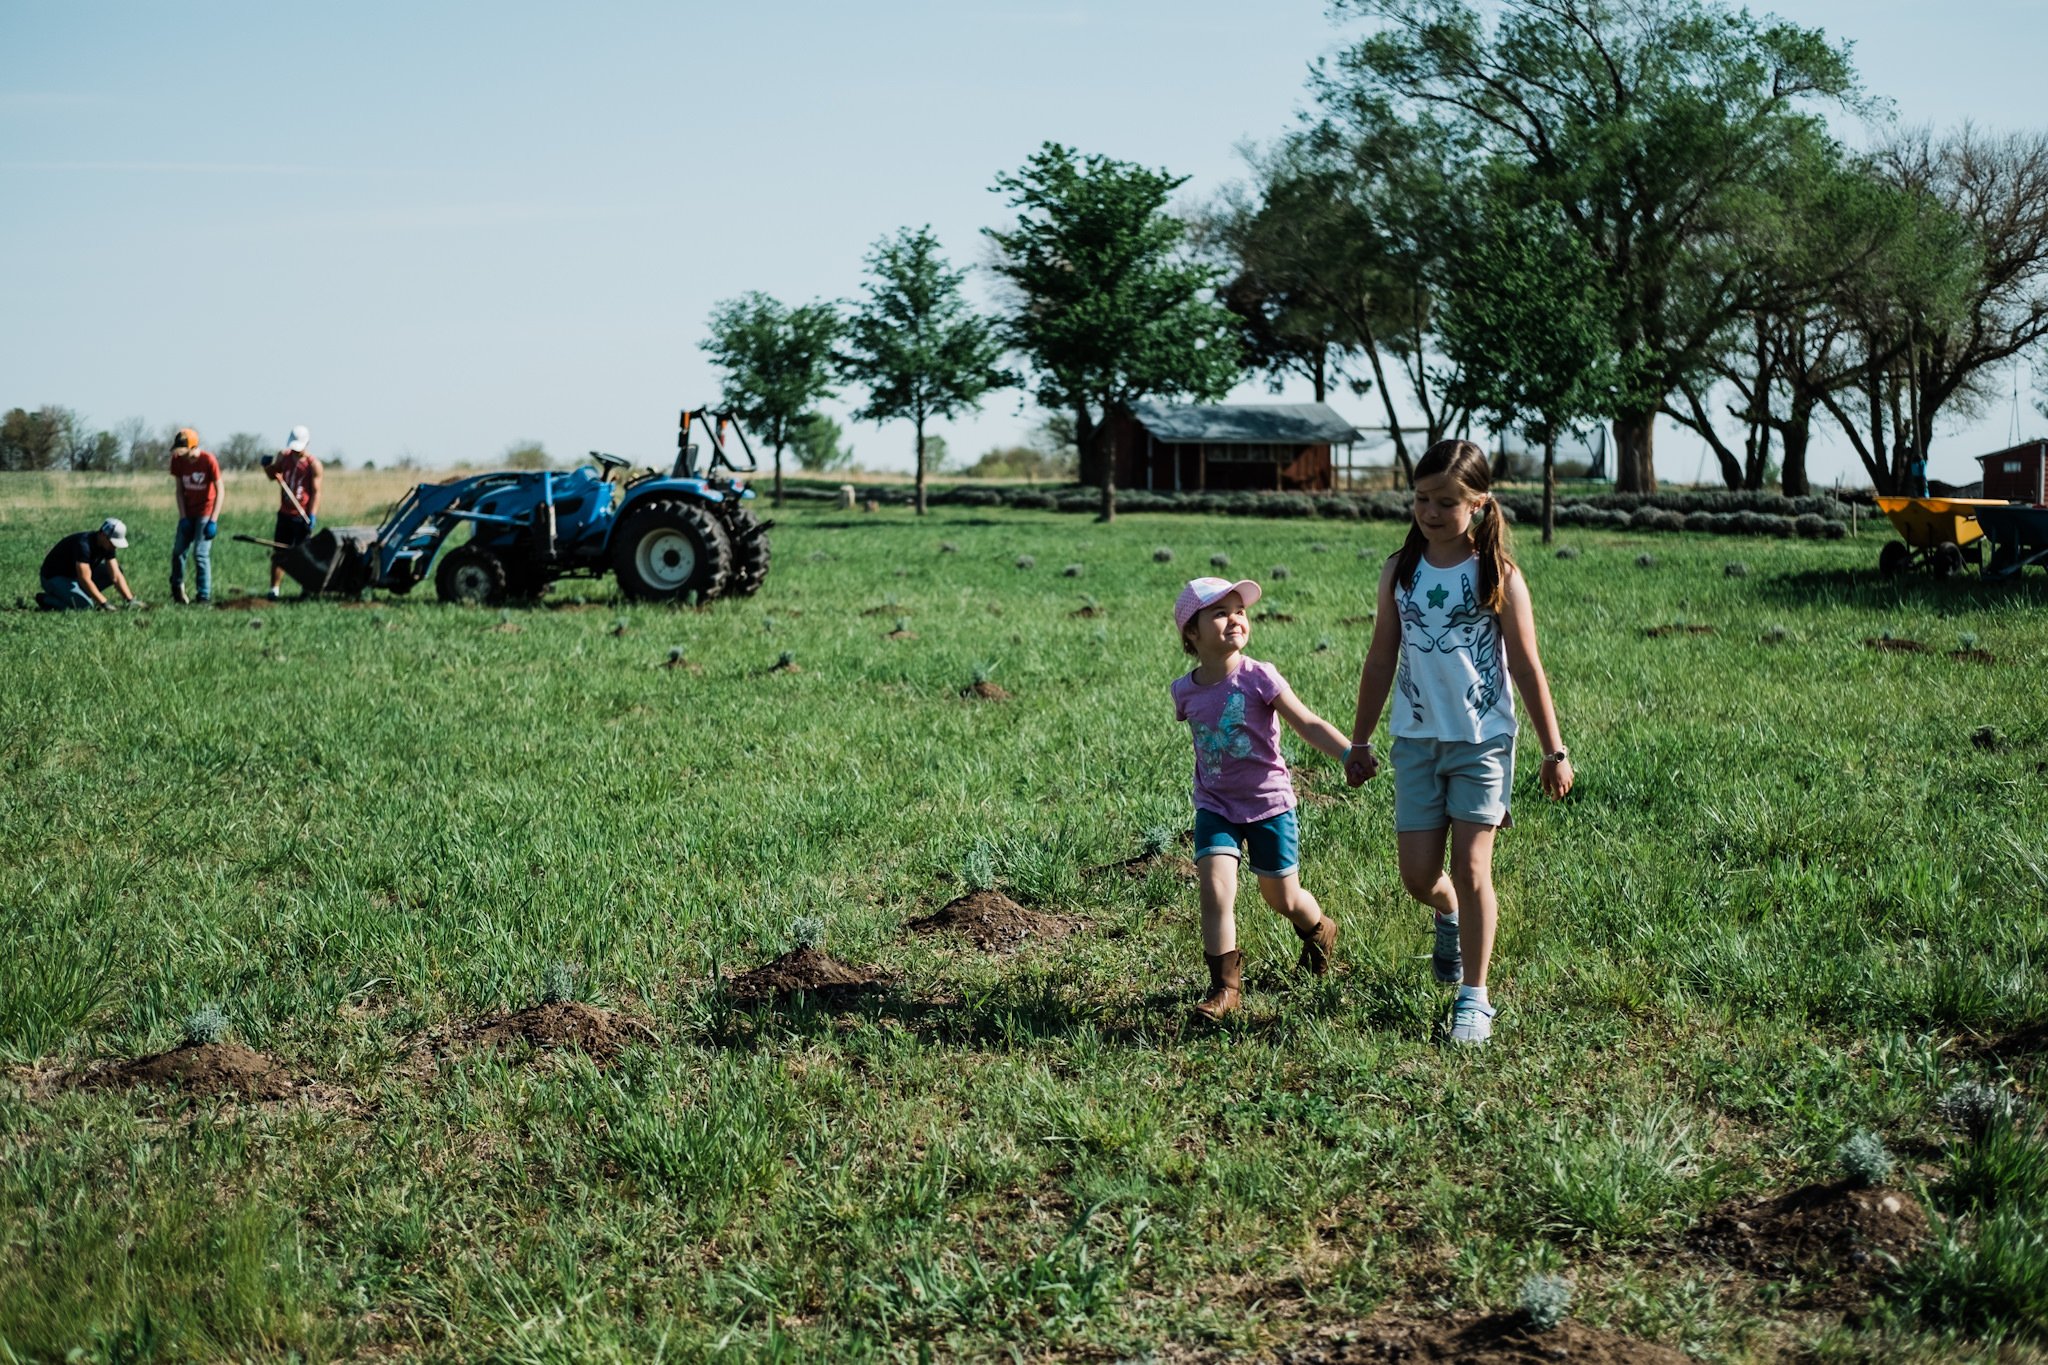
(1472, 475)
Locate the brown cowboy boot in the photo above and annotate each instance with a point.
(1226, 986)
(1315, 946)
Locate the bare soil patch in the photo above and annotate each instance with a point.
(1886, 645)
(685, 665)
(1317, 788)
(900, 635)
(985, 691)
(1973, 656)
(246, 603)
(196, 1069)
(1472, 1339)
(570, 1024)
(1850, 1232)
(1659, 632)
(803, 971)
(993, 922)
(2022, 1049)
(1088, 613)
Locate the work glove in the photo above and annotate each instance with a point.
(312, 524)
(106, 604)
(211, 529)
(269, 460)
(136, 604)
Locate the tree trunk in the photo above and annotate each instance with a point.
(1105, 441)
(1549, 486)
(778, 476)
(1084, 446)
(1759, 458)
(918, 423)
(1798, 433)
(1635, 467)
(1379, 375)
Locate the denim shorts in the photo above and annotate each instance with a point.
(1275, 842)
(1437, 781)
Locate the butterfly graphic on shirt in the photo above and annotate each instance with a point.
(1226, 739)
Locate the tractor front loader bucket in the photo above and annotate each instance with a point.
(341, 560)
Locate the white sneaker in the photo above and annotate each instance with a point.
(1471, 1020)
(274, 595)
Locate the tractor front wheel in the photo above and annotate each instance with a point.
(664, 550)
(471, 576)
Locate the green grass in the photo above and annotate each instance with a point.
(1789, 882)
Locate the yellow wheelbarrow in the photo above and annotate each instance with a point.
(1937, 534)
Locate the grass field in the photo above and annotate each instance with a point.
(1798, 893)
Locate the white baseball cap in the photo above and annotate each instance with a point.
(114, 529)
(301, 438)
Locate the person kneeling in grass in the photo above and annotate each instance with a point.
(1243, 797)
(79, 566)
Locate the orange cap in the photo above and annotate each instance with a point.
(186, 439)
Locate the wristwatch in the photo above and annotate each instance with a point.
(1559, 756)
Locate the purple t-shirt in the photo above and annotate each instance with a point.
(1239, 773)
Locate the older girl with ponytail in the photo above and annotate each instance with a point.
(1453, 628)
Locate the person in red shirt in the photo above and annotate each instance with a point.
(297, 476)
(197, 475)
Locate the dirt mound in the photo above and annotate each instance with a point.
(985, 691)
(568, 1024)
(1493, 1339)
(1840, 1228)
(1889, 645)
(245, 603)
(1088, 613)
(1973, 656)
(197, 1069)
(994, 922)
(804, 970)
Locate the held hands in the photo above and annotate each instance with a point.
(1361, 765)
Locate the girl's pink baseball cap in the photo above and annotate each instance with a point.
(1203, 592)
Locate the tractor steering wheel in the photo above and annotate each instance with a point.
(607, 463)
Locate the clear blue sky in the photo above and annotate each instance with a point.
(439, 229)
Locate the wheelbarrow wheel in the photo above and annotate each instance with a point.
(471, 576)
(1893, 558)
(1947, 559)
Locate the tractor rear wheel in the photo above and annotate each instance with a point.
(471, 576)
(665, 550)
(749, 554)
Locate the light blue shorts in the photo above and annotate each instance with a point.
(1275, 842)
(1437, 781)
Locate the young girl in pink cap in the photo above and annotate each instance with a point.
(1243, 798)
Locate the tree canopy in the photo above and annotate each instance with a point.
(1110, 305)
(777, 362)
(915, 344)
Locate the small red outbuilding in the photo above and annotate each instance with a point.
(2017, 475)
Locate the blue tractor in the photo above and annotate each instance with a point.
(684, 535)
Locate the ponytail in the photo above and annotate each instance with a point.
(1493, 543)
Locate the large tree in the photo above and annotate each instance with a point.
(777, 362)
(1110, 307)
(1968, 299)
(1650, 123)
(1527, 326)
(915, 344)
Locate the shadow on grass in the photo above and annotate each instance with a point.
(1030, 1011)
(1868, 588)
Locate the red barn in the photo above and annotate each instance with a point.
(1284, 446)
(2017, 475)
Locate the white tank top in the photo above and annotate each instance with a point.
(1453, 679)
